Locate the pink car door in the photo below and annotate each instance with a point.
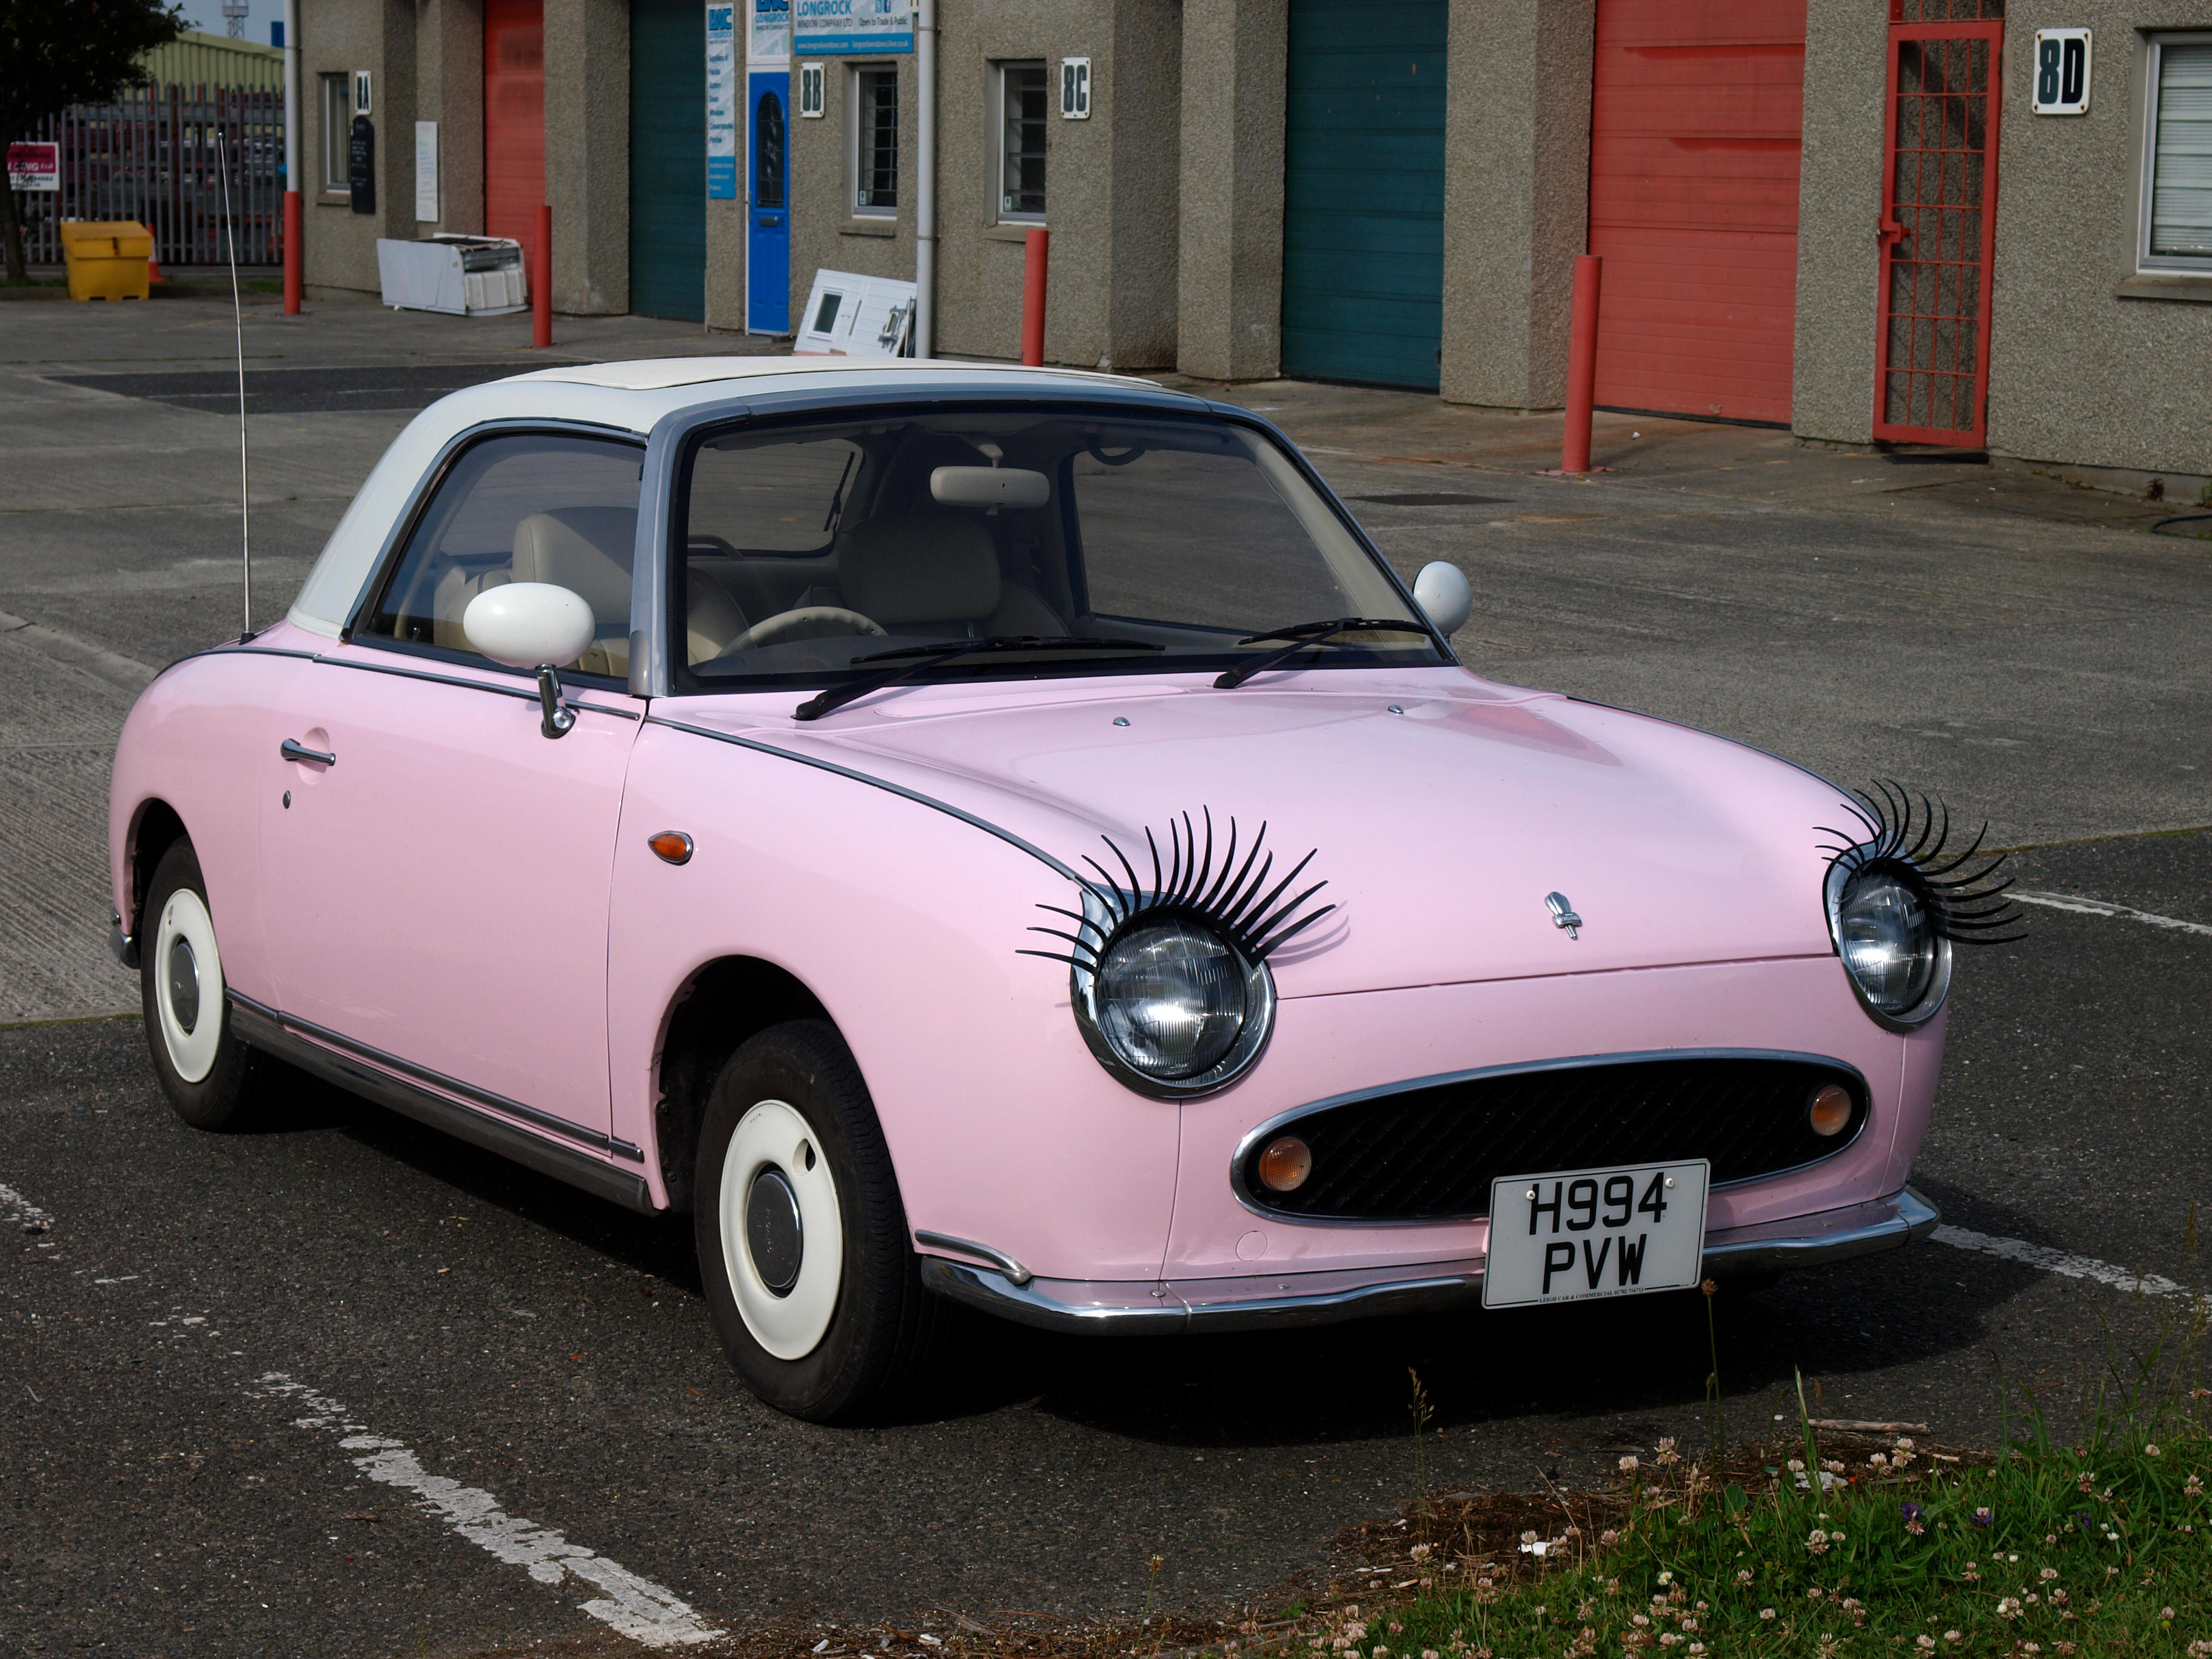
(438, 868)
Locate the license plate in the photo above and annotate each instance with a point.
(1576, 1234)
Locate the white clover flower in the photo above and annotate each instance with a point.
(1766, 1612)
(2151, 1451)
(1817, 1542)
(1629, 1465)
(1796, 1465)
(2008, 1607)
(1879, 1461)
(1923, 1641)
(1743, 1575)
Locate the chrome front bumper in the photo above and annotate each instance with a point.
(1132, 1307)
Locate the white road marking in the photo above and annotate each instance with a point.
(637, 1607)
(2058, 1262)
(2089, 907)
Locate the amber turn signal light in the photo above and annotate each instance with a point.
(1830, 1109)
(1286, 1163)
(673, 845)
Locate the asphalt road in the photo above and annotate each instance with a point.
(203, 1339)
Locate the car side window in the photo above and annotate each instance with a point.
(522, 507)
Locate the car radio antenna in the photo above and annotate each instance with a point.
(238, 332)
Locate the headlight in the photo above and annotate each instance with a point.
(1174, 1008)
(1897, 962)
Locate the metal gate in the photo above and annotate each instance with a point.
(1939, 222)
(151, 155)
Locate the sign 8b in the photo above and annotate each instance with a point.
(2062, 72)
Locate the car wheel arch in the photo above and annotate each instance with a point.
(155, 827)
(723, 1004)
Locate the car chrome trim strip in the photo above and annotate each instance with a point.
(914, 795)
(1275, 1301)
(263, 1028)
(526, 693)
(1015, 1272)
(1282, 1120)
(530, 695)
(481, 1099)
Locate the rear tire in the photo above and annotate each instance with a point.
(212, 1078)
(811, 1283)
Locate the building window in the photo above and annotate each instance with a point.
(875, 132)
(337, 128)
(2177, 234)
(1023, 105)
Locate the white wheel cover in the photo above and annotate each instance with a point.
(192, 1052)
(774, 1136)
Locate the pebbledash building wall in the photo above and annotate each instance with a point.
(1979, 223)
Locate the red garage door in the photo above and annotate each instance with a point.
(514, 117)
(1696, 119)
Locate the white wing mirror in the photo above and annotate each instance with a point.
(533, 625)
(1442, 591)
(989, 486)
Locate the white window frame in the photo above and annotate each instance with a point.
(1005, 215)
(2146, 263)
(334, 91)
(856, 85)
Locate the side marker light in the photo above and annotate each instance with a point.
(1284, 1164)
(673, 845)
(1829, 1111)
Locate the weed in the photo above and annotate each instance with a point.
(2048, 1549)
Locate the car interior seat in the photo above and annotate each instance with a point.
(936, 574)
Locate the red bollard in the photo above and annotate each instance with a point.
(1033, 264)
(1582, 366)
(541, 281)
(292, 253)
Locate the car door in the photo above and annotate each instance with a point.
(441, 865)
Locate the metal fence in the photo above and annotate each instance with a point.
(151, 155)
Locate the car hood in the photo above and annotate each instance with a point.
(1441, 810)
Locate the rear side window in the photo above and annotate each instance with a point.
(528, 506)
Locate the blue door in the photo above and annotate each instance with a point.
(768, 236)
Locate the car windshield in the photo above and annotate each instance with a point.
(1174, 544)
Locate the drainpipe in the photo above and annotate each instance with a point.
(294, 254)
(925, 187)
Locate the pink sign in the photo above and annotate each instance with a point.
(34, 166)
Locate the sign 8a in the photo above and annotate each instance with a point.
(2062, 72)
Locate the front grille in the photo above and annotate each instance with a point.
(1430, 1152)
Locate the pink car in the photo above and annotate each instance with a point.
(1006, 835)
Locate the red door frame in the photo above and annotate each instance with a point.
(1894, 234)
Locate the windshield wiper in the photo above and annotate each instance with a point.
(1304, 636)
(912, 659)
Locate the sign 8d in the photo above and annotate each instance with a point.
(2062, 72)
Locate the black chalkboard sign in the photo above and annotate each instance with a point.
(360, 164)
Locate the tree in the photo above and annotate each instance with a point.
(54, 54)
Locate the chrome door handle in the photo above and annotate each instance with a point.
(292, 750)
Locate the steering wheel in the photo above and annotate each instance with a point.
(809, 622)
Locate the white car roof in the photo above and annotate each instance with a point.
(627, 396)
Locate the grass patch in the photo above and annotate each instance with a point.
(1834, 1545)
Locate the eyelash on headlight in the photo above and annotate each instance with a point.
(1908, 834)
(1233, 899)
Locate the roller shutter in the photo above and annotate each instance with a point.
(668, 159)
(1363, 191)
(1695, 124)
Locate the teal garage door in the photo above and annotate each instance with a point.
(668, 159)
(1363, 191)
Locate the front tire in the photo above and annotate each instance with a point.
(803, 1252)
(211, 1077)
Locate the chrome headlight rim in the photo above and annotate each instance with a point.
(1868, 860)
(1251, 1037)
